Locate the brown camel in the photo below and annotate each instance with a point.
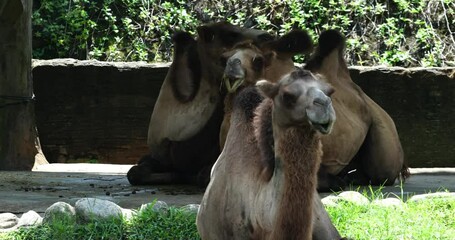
(255, 197)
(364, 147)
(184, 126)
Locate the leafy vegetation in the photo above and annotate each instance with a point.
(392, 32)
(173, 223)
(429, 219)
(414, 220)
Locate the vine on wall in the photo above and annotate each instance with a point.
(392, 32)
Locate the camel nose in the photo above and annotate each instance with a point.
(322, 101)
(234, 68)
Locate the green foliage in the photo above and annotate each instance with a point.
(428, 219)
(172, 223)
(393, 32)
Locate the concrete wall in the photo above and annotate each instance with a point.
(97, 110)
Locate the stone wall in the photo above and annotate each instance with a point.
(96, 110)
(89, 110)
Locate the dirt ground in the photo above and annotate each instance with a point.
(37, 190)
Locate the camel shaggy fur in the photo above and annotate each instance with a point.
(252, 197)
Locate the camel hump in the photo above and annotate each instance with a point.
(182, 40)
(185, 72)
(329, 41)
(295, 42)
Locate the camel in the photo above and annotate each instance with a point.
(364, 147)
(184, 132)
(254, 196)
(184, 126)
(181, 112)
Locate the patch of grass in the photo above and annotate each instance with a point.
(172, 223)
(430, 219)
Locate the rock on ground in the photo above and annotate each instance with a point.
(354, 197)
(388, 202)
(191, 208)
(30, 218)
(157, 206)
(428, 196)
(8, 221)
(90, 208)
(59, 209)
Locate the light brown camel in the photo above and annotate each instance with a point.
(252, 197)
(364, 147)
(184, 126)
(246, 63)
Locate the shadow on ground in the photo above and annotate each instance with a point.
(24, 191)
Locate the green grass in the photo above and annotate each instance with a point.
(172, 223)
(432, 219)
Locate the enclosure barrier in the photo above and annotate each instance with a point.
(99, 111)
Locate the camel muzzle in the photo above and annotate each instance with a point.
(234, 75)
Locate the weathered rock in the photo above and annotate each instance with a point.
(30, 218)
(191, 208)
(354, 197)
(127, 213)
(157, 206)
(93, 208)
(388, 202)
(59, 209)
(330, 201)
(428, 196)
(7, 221)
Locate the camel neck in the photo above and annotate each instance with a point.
(297, 159)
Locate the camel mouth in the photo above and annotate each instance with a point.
(324, 128)
(232, 83)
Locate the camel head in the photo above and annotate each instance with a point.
(249, 61)
(216, 38)
(195, 59)
(245, 64)
(300, 99)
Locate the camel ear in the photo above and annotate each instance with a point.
(267, 89)
(206, 33)
(291, 44)
(185, 71)
(268, 58)
(328, 57)
(222, 32)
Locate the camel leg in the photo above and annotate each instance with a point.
(381, 155)
(323, 228)
(328, 182)
(187, 161)
(150, 170)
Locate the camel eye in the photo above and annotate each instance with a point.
(289, 99)
(223, 61)
(258, 63)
